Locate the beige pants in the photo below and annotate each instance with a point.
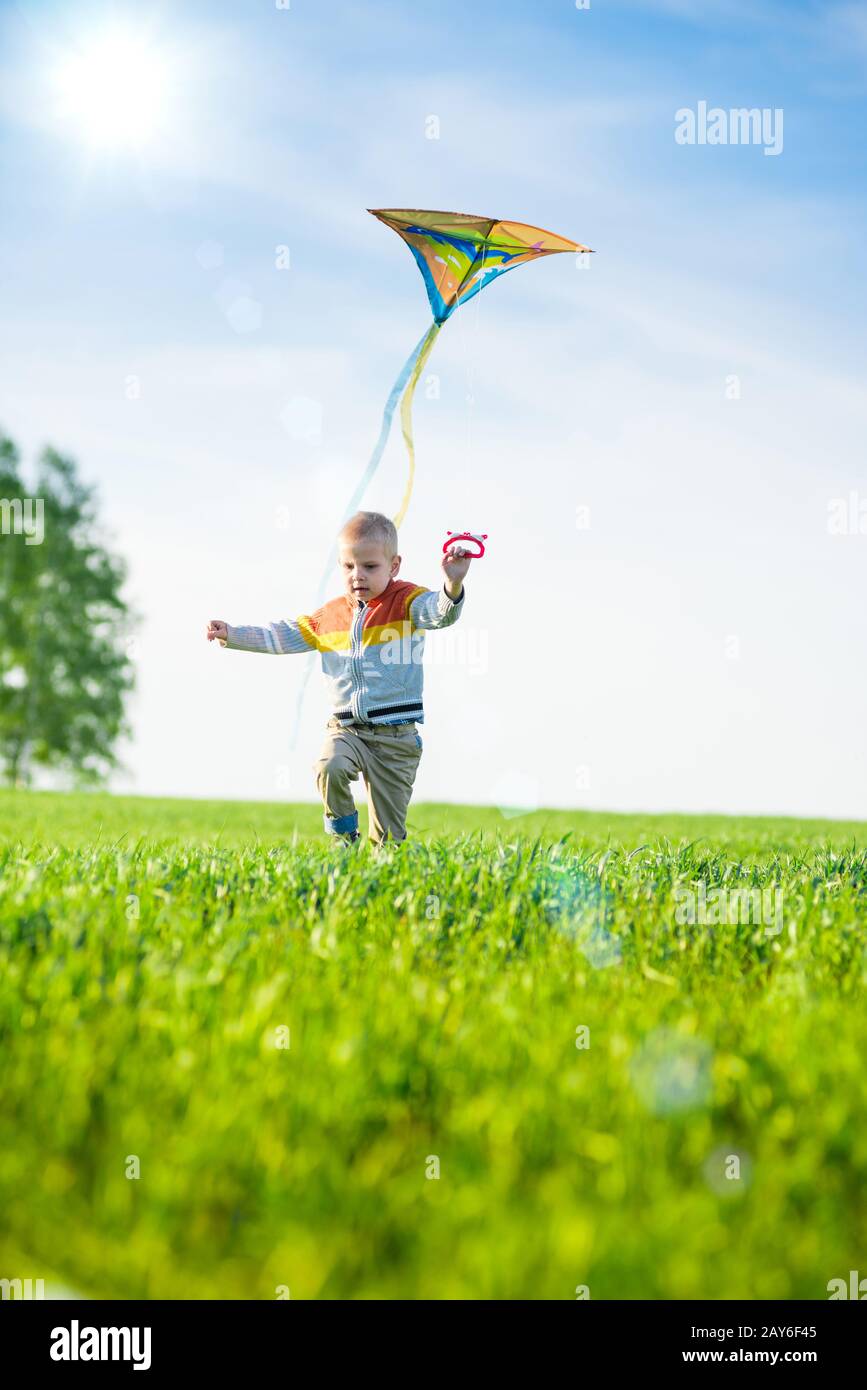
(387, 756)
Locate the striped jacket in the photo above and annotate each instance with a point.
(371, 649)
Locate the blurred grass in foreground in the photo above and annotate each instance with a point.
(150, 952)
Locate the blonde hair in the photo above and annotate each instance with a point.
(372, 526)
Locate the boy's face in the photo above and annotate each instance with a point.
(366, 568)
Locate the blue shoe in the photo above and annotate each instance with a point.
(342, 827)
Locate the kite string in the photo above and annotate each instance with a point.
(471, 367)
(469, 341)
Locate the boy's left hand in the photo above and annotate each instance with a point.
(456, 562)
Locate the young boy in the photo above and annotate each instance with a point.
(372, 663)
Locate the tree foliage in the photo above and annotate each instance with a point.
(64, 666)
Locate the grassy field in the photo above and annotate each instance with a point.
(290, 1038)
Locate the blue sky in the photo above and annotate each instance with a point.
(698, 644)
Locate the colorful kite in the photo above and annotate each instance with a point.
(458, 255)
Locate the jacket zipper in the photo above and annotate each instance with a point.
(357, 626)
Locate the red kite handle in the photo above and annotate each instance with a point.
(466, 536)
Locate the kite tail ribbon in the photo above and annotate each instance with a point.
(414, 361)
(409, 372)
(423, 351)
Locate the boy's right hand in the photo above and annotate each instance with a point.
(217, 631)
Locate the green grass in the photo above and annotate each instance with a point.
(150, 951)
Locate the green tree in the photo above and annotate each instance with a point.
(64, 667)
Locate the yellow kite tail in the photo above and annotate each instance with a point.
(406, 416)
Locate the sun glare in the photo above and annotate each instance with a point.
(113, 90)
